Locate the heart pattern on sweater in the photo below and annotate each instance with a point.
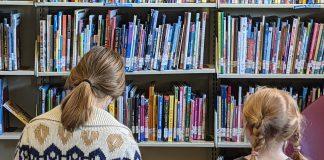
(88, 137)
(64, 135)
(114, 141)
(41, 132)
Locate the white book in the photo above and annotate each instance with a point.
(292, 42)
(196, 46)
(202, 40)
(42, 47)
(186, 42)
(244, 44)
(228, 44)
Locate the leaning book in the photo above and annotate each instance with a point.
(17, 111)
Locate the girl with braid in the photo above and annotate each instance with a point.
(272, 119)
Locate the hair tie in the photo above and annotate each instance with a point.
(88, 81)
(254, 153)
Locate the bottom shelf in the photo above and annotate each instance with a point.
(202, 144)
(10, 135)
(206, 144)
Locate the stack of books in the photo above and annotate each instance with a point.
(9, 41)
(173, 116)
(230, 103)
(269, 45)
(149, 44)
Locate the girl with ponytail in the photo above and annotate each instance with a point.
(80, 128)
(272, 119)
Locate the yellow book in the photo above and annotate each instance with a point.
(154, 117)
(111, 108)
(171, 110)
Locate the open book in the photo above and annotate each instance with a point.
(17, 111)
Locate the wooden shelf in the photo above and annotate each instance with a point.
(16, 3)
(202, 144)
(233, 145)
(10, 135)
(149, 72)
(271, 6)
(118, 5)
(17, 73)
(270, 76)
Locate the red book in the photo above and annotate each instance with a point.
(64, 43)
(107, 42)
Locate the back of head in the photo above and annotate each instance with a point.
(272, 115)
(99, 74)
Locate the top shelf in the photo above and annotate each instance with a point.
(127, 5)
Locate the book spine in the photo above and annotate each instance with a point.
(187, 113)
(160, 110)
(202, 40)
(1, 108)
(171, 111)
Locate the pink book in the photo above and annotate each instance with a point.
(192, 120)
(196, 119)
(200, 107)
(312, 49)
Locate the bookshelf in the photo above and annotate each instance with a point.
(17, 73)
(126, 5)
(10, 136)
(271, 6)
(167, 72)
(16, 3)
(270, 76)
(214, 79)
(203, 144)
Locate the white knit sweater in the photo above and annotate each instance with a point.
(101, 137)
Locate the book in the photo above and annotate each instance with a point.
(17, 111)
(144, 45)
(268, 45)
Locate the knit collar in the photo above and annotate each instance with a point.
(98, 117)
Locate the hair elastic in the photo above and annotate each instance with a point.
(254, 153)
(88, 81)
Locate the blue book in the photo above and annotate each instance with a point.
(224, 110)
(1, 107)
(266, 34)
(43, 90)
(128, 58)
(159, 125)
(175, 41)
(269, 50)
(150, 39)
(304, 97)
(190, 46)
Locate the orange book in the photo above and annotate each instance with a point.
(64, 43)
(150, 111)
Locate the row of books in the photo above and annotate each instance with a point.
(172, 116)
(50, 97)
(129, 1)
(151, 45)
(271, 1)
(9, 41)
(269, 45)
(178, 115)
(230, 103)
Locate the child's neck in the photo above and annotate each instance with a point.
(273, 151)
